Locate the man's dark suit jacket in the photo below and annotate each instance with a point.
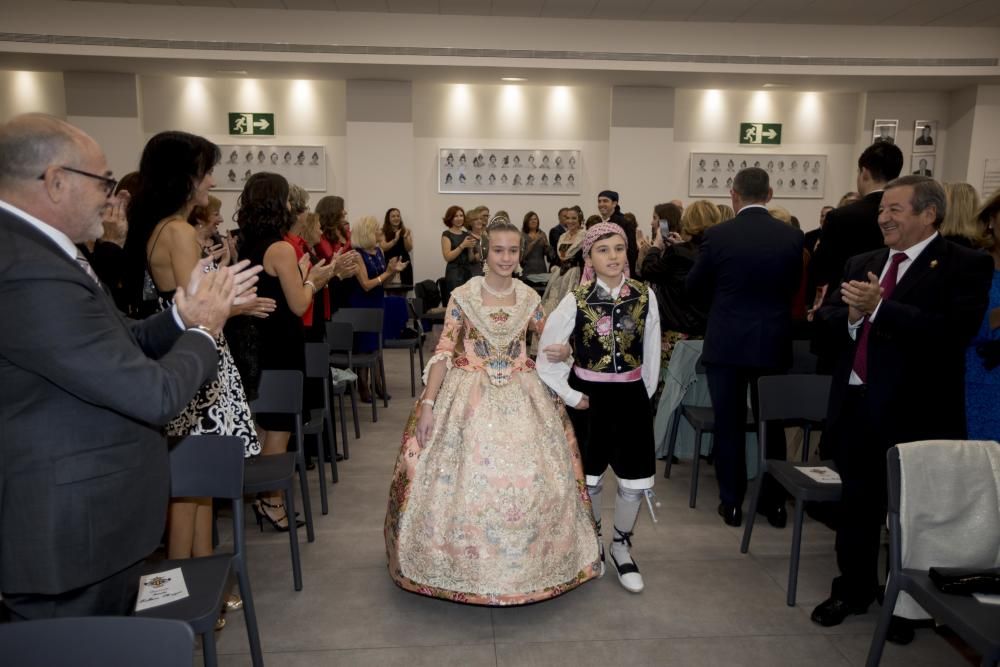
(811, 238)
(917, 343)
(848, 231)
(84, 394)
(749, 267)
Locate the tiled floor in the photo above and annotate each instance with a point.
(704, 603)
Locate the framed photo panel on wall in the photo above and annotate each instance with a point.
(925, 136)
(922, 165)
(503, 171)
(794, 176)
(304, 166)
(884, 129)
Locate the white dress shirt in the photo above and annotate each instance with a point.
(68, 247)
(911, 254)
(559, 327)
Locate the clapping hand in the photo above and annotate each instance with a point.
(346, 264)
(396, 265)
(208, 298)
(584, 403)
(114, 220)
(257, 307)
(862, 297)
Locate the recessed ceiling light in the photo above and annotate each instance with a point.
(776, 85)
(512, 78)
(240, 72)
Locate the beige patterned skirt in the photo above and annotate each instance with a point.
(494, 510)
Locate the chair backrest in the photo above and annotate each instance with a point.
(109, 641)
(207, 466)
(802, 397)
(317, 360)
(364, 320)
(428, 292)
(339, 336)
(416, 307)
(280, 392)
(944, 503)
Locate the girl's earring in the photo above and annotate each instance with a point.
(486, 269)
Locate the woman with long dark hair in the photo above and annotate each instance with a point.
(175, 175)
(264, 218)
(397, 242)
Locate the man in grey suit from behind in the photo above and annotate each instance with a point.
(84, 393)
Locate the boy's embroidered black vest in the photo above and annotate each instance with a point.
(608, 334)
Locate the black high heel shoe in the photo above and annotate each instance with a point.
(261, 514)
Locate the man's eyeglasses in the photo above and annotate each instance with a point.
(109, 183)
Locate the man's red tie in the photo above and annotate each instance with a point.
(888, 285)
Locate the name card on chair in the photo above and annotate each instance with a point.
(821, 474)
(161, 588)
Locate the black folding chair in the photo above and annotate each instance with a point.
(340, 340)
(280, 392)
(799, 400)
(320, 423)
(109, 641)
(702, 420)
(209, 465)
(976, 623)
(367, 320)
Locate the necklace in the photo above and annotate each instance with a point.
(501, 294)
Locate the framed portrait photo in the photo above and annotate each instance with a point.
(884, 130)
(925, 136)
(792, 176)
(508, 171)
(922, 165)
(303, 165)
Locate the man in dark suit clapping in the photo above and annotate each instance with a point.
(84, 393)
(901, 317)
(852, 230)
(749, 268)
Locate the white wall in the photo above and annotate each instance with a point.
(985, 143)
(306, 112)
(907, 108)
(812, 123)
(26, 92)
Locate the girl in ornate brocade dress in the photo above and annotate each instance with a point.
(488, 503)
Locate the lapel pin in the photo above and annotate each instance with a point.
(934, 263)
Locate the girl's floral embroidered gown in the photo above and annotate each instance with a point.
(494, 509)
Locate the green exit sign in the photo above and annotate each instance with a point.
(760, 133)
(251, 124)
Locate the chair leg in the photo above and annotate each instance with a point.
(884, 618)
(343, 428)
(306, 500)
(413, 377)
(249, 616)
(673, 442)
(420, 352)
(354, 408)
(321, 469)
(330, 436)
(385, 385)
(293, 538)
(695, 463)
(751, 512)
(208, 649)
(793, 566)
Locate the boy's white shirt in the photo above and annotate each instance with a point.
(559, 327)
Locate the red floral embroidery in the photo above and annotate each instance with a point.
(461, 361)
(500, 316)
(624, 292)
(529, 363)
(603, 326)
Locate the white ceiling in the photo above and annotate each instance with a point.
(964, 13)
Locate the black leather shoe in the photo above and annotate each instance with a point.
(900, 630)
(833, 611)
(732, 516)
(777, 517)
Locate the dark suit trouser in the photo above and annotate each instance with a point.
(112, 596)
(728, 388)
(860, 458)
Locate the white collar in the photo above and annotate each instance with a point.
(751, 206)
(57, 236)
(914, 250)
(614, 292)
